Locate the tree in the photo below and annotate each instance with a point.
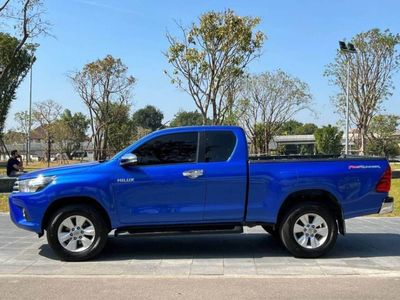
(371, 71)
(290, 127)
(122, 131)
(148, 117)
(46, 114)
(211, 57)
(12, 137)
(69, 131)
(101, 84)
(382, 130)
(24, 23)
(187, 118)
(13, 69)
(269, 101)
(22, 119)
(328, 140)
(308, 128)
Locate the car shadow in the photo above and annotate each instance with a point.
(248, 245)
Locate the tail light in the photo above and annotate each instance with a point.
(384, 183)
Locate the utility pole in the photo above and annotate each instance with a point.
(28, 155)
(49, 151)
(30, 117)
(348, 49)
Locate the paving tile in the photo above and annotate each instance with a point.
(339, 270)
(39, 269)
(92, 269)
(239, 270)
(265, 269)
(142, 268)
(207, 267)
(175, 268)
(11, 269)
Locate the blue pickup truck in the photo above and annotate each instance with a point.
(195, 180)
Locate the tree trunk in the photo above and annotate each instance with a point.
(362, 141)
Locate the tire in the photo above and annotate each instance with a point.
(271, 230)
(304, 241)
(82, 230)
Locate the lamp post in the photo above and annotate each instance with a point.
(348, 49)
(28, 154)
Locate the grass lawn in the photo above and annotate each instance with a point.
(3, 202)
(395, 192)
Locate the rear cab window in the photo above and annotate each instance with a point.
(219, 145)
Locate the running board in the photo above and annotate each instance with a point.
(163, 231)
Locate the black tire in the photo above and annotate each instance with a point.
(271, 230)
(287, 230)
(88, 212)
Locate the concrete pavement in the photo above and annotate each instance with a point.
(371, 248)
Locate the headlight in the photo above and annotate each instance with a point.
(35, 184)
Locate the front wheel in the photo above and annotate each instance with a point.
(309, 230)
(77, 232)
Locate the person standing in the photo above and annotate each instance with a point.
(15, 165)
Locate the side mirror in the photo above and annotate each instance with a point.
(129, 159)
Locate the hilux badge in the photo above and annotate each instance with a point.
(125, 180)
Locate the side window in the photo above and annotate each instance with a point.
(219, 145)
(169, 149)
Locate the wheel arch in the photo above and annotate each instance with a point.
(319, 196)
(57, 204)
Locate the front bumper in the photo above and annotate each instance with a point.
(387, 206)
(26, 210)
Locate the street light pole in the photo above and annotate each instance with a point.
(347, 108)
(28, 156)
(347, 49)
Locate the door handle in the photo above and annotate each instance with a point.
(192, 174)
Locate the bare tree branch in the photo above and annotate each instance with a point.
(102, 85)
(270, 100)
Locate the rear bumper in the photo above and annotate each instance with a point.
(387, 206)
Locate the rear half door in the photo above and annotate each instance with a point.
(225, 170)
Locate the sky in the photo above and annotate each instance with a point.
(302, 39)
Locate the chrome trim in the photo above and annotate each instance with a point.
(387, 206)
(193, 174)
(128, 159)
(16, 186)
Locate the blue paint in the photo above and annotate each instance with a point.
(161, 195)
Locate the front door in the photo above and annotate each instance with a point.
(166, 186)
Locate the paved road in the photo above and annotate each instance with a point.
(371, 247)
(200, 288)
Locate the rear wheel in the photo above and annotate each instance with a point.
(309, 230)
(77, 232)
